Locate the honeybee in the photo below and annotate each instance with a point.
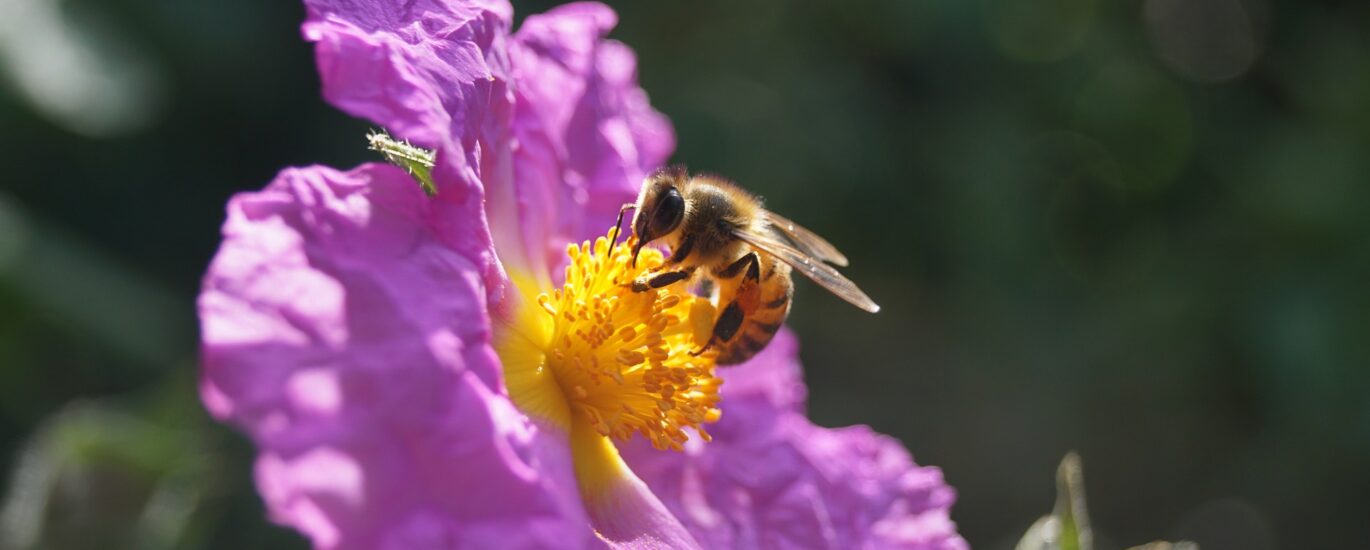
(721, 237)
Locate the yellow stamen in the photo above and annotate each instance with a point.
(616, 359)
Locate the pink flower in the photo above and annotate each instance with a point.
(386, 353)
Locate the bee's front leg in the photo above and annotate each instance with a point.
(657, 280)
(613, 241)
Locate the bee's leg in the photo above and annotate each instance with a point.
(730, 320)
(658, 280)
(678, 255)
(750, 263)
(725, 327)
(619, 223)
(706, 347)
(681, 251)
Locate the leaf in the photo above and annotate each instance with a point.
(1067, 528)
(1070, 505)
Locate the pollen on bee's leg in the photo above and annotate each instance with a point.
(623, 357)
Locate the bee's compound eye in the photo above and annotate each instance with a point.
(670, 210)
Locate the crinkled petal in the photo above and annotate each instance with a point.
(772, 479)
(345, 331)
(429, 71)
(418, 68)
(586, 134)
(433, 72)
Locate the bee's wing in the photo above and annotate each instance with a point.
(820, 272)
(805, 241)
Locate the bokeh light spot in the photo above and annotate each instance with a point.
(1206, 40)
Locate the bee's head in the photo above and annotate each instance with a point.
(660, 206)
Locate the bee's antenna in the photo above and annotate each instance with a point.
(618, 223)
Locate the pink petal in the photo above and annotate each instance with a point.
(428, 71)
(550, 123)
(631, 517)
(623, 509)
(585, 131)
(345, 331)
(435, 73)
(772, 479)
(420, 69)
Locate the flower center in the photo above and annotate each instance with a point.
(620, 359)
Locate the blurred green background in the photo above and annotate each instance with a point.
(1140, 230)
